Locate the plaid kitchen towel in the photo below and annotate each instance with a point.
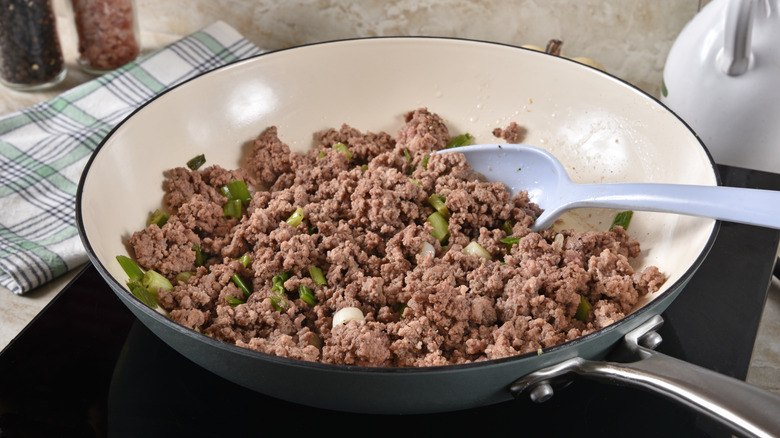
(44, 148)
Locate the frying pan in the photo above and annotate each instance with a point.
(601, 128)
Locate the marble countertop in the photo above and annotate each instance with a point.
(165, 22)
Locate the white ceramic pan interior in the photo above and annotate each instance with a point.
(602, 129)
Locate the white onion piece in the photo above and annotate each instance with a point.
(475, 248)
(347, 314)
(558, 241)
(426, 249)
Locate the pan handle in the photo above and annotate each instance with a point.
(744, 409)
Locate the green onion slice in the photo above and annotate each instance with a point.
(341, 147)
(440, 226)
(244, 260)
(153, 281)
(239, 190)
(437, 201)
(623, 219)
(509, 241)
(278, 282)
(134, 273)
(233, 301)
(182, 277)
(317, 275)
(145, 295)
(236, 190)
(232, 208)
(158, 217)
(425, 161)
(507, 227)
(278, 303)
(306, 295)
(195, 162)
(296, 218)
(583, 309)
(241, 285)
(460, 140)
(200, 258)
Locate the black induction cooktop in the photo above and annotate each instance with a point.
(86, 368)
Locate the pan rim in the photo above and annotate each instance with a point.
(116, 286)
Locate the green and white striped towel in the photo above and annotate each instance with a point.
(44, 148)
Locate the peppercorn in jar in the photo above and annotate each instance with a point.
(30, 52)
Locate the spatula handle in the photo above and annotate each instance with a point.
(747, 206)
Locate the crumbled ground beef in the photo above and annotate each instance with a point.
(513, 133)
(424, 302)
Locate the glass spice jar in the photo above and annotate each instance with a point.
(107, 32)
(30, 51)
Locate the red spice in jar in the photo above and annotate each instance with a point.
(107, 33)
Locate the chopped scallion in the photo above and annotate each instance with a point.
(440, 226)
(341, 147)
(182, 277)
(200, 258)
(460, 140)
(233, 301)
(296, 218)
(306, 295)
(407, 155)
(142, 284)
(153, 281)
(244, 259)
(278, 303)
(278, 283)
(241, 285)
(507, 227)
(195, 162)
(239, 190)
(317, 275)
(583, 309)
(134, 273)
(158, 217)
(425, 161)
(232, 208)
(437, 202)
(622, 219)
(509, 241)
(145, 295)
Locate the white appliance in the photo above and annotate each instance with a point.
(722, 76)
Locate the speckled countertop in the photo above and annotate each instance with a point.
(630, 38)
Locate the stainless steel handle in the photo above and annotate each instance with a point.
(744, 409)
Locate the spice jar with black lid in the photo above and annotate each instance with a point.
(30, 51)
(107, 32)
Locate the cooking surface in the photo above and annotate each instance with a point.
(86, 366)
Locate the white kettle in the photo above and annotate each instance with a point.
(722, 77)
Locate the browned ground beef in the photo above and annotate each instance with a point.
(512, 133)
(365, 224)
